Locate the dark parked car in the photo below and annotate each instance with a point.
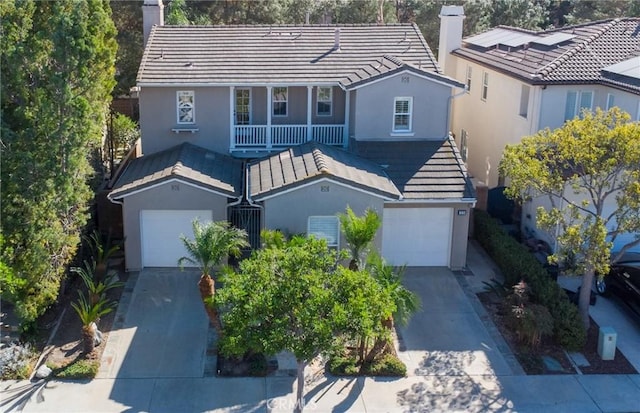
(623, 280)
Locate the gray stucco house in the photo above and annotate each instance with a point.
(282, 127)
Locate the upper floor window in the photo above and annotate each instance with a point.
(524, 101)
(638, 116)
(464, 142)
(576, 102)
(469, 70)
(610, 100)
(186, 106)
(485, 85)
(402, 113)
(324, 101)
(279, 98)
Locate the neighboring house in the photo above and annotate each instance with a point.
(283, 127)
(520, 81)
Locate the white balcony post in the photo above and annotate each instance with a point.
(309, 113)
(232, 120)
(269, 113)
(345, 130)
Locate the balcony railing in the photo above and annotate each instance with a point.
(278, 136)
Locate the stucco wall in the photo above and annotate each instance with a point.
(168, 196)
(290, 212)
(158, 116)
(490, 124)
(374, 108)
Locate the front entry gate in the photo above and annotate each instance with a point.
(247, 217)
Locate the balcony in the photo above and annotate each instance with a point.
(256, 137)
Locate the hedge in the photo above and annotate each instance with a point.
(517, 263)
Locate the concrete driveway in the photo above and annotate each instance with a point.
(162, 332)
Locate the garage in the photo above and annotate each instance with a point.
(417, 236)
(160, 234)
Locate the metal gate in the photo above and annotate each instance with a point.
(247, 217)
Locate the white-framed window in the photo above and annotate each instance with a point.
(524, 101)
(402, 114)
(279, 96)
(185, 106)
(464, 142)
(243, 106)
(638, 115)
(469, 73)
(485, 85)
(325, 227)
(610, 100)
(576, 102)
(324, 101)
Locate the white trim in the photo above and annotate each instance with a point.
(193, 106)
(468, 78)
(404, 201)
(236, 84)
(286, 101)
(409, 100)
(347, 113)
(484, 91)
(232, 118)
(309, 113)
(386, 76)
(408, 134)
(330, 101)
(286, 191)
(153, 186)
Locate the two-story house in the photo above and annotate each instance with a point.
(521, 81)
(282, 127)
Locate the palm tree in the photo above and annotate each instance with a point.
(359, 233)
(405, 301)
(89, 314)
(212, 242)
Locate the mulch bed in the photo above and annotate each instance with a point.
(531, 360)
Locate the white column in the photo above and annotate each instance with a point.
(347, 110)
(232, 120)
(269, 113)
(309, 113)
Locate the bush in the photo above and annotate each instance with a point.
(387, 365)
(517, 263)
(16, 361)
(343, 365)
(78, 369)
(530, 321)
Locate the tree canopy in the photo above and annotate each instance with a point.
(297, 298)
(57, 76)
(589, 170)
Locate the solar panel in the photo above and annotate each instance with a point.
(553, 39)
(629, 68)
(501, 36)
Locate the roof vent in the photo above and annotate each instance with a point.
(336, 40)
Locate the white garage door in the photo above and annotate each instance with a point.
(417, 236)
(160, 231)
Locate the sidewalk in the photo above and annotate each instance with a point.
(457, 366)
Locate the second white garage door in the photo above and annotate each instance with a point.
(160, 231)
(417, 236)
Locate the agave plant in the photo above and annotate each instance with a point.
(89, 315)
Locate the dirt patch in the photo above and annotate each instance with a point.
(66, 346)
(532, 360)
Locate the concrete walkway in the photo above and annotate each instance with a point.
(455, 361)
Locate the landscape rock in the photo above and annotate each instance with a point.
(43, 372)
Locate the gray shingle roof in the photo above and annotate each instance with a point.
(285, 54)
(312, 161)
(581, 59)
(422, 169)
(187, 162)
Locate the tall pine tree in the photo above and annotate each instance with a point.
(57, 75)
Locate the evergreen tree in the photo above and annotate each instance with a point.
(58, 73)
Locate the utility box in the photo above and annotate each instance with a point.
(607, 343)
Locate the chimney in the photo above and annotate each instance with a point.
(152, 14)
(451, 18)
(336, 40)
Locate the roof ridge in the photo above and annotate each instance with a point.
(288, 25)
(319, 159)
(514, 28)
(551, 66)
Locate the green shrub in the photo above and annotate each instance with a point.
(78, 369)
(343, 365)
(517, 263)
(529, 321)
(387, 365)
